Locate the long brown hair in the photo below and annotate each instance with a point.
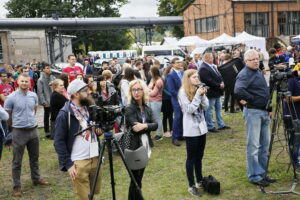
(187, 87)
(155, 74)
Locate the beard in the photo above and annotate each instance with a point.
(85, 102)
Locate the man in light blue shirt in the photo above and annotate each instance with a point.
(22, 106)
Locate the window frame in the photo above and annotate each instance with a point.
(207, 25)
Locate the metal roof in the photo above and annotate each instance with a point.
(89, 23)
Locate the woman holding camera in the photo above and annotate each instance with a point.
(140, 120)
(193, 102)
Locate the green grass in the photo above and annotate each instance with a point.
(165, 177)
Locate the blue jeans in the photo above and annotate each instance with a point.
(214, 103)
(258, 141)
(177, 128)
(156, 109)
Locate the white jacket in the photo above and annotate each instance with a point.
(194, 123)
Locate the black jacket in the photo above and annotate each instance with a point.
(212, 80)
(57, 101)
(132, 115)
(112, 99)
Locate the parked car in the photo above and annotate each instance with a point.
(163, 50)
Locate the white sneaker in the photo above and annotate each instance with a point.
(194, 191)
(199, 185)
(167, 134)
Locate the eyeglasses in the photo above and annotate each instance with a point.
(84, 90)
(136, 90)
(254, 59)
(177, 62)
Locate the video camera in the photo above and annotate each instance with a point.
(278, 75)
(104, 113)
(105, 116)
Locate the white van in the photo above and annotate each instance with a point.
(163, 50)
(116, 53)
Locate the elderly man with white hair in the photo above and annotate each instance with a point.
(252, 90)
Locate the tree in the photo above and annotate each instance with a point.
(98, 40)
(172, 8)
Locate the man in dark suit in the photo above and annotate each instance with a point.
(173, 84)
(210, 75)
(87, 68)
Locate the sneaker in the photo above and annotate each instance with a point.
(167, 134)
(227, 113)
(194, 191)
(224, 127)
(176, 143)
(199, 185)
(261, 183)
(158, 138)
(270, 179)
(213, 130)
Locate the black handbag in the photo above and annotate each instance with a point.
(124, 140)
(211, 185)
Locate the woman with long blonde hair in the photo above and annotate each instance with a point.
(140, 120)
(193, 102)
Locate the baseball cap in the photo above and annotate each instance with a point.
(75, 86)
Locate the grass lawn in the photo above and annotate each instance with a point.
(165, 177)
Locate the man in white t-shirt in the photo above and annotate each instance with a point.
(77, 154)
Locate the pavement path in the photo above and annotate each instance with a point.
(40, 116)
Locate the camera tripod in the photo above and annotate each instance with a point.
(108, 140)
(289, 131)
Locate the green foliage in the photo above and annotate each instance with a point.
(98, 40)
(172, 8)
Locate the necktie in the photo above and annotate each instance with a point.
(179, 74)
(215, 70)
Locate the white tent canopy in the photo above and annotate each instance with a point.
(253, 41)
(192, 41)
(223, 39)
(169, 41)
(296, 37)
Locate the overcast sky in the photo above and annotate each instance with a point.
(135, 8)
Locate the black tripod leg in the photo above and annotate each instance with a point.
(127, 168)
(111, 169)
(273, 133)
(92, 192)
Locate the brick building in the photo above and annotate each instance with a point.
(268, 18)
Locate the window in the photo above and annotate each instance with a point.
(210, 24)
(1, 52)
(158, 52)
(257, 23)
(288, 23)
(178, 53)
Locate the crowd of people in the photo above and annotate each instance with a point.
(177, 101)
